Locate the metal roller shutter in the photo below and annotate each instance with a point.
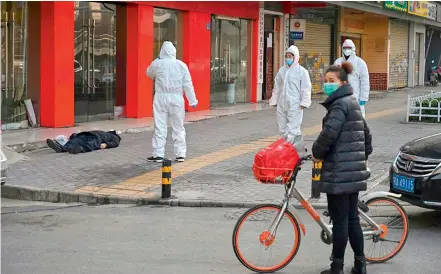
(399, 53)
(315, 53)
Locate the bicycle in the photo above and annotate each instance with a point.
(373, 231)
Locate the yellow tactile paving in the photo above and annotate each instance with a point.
(136, 186)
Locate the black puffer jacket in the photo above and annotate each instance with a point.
(344, 145)
(110, 138)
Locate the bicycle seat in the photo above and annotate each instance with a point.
(361, 206)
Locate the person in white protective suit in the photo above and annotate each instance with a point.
(291, 94)
(359, 78)
(172, 79)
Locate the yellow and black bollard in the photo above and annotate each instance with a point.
(316, 172)
(166, 178)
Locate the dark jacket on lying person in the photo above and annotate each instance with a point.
(344, 145)
(87, 141)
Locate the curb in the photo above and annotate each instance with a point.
(54, 196)
(30, 146)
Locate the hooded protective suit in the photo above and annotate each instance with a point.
(172, 78)
(292, 91)
(359, 78)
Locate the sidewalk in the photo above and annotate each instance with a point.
(35, 138)
(218, 167)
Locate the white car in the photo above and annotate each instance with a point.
(4, 167)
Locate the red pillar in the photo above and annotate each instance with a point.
(254, 61)
(139, 54)
(197, 53)
(56, 64)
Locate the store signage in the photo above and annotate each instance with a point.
(286, 32)
(396, 5)
(423, 9)
(297, 29)
(293, 35)
(261, 45)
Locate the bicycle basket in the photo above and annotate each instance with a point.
(275, 163)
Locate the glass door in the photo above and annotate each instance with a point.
(13, 64)
(229, 58)
(94, 64)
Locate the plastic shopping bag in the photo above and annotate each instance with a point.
(276, 161)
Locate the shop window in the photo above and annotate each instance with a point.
(13, 64)
(230, 61)
(167, 27)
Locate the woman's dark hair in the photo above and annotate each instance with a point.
(342, 71)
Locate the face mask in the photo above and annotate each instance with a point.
(289, 62)
(330, 88)
(347, 52)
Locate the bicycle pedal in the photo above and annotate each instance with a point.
(326, 213)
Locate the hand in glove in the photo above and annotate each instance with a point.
(362, 103)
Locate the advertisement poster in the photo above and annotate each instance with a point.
(418, 8)
(431, 11)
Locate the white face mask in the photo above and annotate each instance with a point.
(347, 52)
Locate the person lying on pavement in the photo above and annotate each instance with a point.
(86, 141)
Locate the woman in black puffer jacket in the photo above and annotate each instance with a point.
(344, 146)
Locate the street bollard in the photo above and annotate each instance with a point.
(166, 179)
(316, 172)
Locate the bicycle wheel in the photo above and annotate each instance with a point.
(393, 219)
(260, 219)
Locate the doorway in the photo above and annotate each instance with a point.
(14, 33)
(357, 41)
(230, 54)
(271, 53)
(95, 58)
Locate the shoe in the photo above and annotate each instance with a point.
(74, 150)
(336, 267)
(54, 145)
(155, 159)
(180, 159)
(359, 266)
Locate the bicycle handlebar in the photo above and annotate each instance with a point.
(306, 158)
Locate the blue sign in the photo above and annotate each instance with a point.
(295, 35)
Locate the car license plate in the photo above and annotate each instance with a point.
(403, 183)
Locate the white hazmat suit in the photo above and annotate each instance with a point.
(359, 78)
(292, 91)
(172, 78)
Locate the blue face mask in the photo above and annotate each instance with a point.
(289, 62)
(330, 88)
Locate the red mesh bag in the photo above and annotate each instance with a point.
(275, 163)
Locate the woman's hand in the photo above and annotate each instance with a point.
(103, 146)
(315, 159)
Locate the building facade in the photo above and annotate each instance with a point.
(233, 51)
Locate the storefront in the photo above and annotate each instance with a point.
(398, 46)
(370, 33)
(398, 53)
(273, 44)
(312, 31)
(14, 32)
(110, 46)
(417, 40)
